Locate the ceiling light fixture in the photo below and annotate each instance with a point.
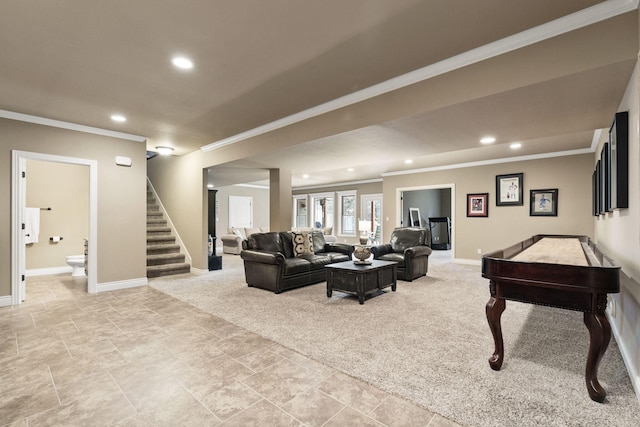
(305, 176)
(515, 146)
(408, 161)
(118, 118)
(165, 151)
(182, 62)
(487, 140)
(350, 170)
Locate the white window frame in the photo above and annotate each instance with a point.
(340, 195)
(365, 199)
(312, 212)
(294, 218)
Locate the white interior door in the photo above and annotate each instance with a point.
(240, 211)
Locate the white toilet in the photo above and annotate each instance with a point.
(77, 263)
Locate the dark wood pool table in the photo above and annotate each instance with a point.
(567, 272)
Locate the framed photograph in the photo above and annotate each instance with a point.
(509, 190)
(544, 202)
(599, 187)
(619, 161)
(606, 178)
(594, 194)
(478, 205)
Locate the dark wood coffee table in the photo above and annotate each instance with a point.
(360, 279)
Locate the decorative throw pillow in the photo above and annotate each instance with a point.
(302, 243)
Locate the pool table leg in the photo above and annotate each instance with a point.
(599, 337)
(494, 309)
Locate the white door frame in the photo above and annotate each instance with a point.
(399, 209)
(18, 204)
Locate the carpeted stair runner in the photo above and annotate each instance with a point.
(163, 254)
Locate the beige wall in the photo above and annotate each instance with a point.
(505, 225)
(618, 234)
(121, 195)
(65, 189)
(260, 198)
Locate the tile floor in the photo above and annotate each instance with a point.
(138, 357)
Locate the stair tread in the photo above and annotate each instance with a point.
(163, 254)
(171, 266)
(161, 238)
(155, 249)
(165, 259)
(156, 229)
(168, 269)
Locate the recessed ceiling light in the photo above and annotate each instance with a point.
(515, 146)
(305, 176)
(182, 62)
(165, 151)
(408, 161)
(487, 140)
(118, 118)
(209, 185)
(350, 170)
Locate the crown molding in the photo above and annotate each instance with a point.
(69, 126)
(596, 139)
(493, 162)
(339, 184)
(583, 18)
(259, 186)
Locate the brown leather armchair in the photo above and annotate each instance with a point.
(409, 247)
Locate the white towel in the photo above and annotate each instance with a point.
(31, 225)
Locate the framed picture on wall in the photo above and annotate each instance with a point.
(478, 205)
(544, 202)
(509, 190)
(606, 178)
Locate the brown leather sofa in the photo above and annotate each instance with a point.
(409, 247)
(270, 263)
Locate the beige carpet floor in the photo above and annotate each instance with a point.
(429, 343)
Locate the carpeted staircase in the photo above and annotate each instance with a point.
(163, 253)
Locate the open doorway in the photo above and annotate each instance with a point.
(431, 207)
(19, 163)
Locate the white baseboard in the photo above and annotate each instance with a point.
(48, 271)
(627, 358)
(6, 301)
(198, 271)
(121, 284)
